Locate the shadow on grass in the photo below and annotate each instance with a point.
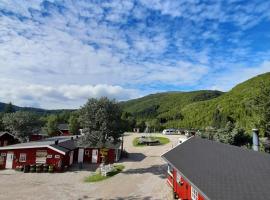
(158, 170)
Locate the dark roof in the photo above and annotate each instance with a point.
(220, 171)
(4, 133)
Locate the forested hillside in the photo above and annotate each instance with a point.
(202, 108)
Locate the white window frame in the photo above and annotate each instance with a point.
(170, 171)
(22, 157)
(178, 178)
(194, 194)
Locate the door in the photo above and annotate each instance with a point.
(94, 155)
(9, 160)
(80, 156)
(71, 157)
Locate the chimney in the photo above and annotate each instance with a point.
(56, 142)
(255, 139)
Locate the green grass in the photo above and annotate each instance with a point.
(162, 140)
(98, 177)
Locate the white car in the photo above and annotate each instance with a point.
(168, 131)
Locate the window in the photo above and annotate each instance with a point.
(57, 156)
(87, 152)
(22, 157)
(194, 194)
(170, 170)
(178, 178)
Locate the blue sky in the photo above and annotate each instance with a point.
(58, 53)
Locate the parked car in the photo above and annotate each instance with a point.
(168, 131)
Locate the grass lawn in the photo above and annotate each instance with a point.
(162, 140)
(98, 177)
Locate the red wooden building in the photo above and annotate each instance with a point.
(200, 169)
(7, 139)
(57, 151)
(95, 154)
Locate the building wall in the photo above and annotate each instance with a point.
(6, 137)
(181, 188)
(57, 159)
(88, 155)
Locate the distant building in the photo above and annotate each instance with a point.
(7, 139)
(200, 169)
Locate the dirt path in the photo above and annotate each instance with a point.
(143, 178)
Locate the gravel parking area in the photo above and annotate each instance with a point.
(143, 178)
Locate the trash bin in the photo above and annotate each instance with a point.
(26, 168)
(51, 168)
(80, 165)
(38, 168)
(45, 168)
(32, 168)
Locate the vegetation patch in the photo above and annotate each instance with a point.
(162, 141)
(98, 177)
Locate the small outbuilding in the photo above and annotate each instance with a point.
(108, 153)
(56, 151)
(200, 169)
(7, 139)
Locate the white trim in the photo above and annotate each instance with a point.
(169, 183)
(32, 147)
(8, 134)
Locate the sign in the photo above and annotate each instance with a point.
(104, 152)
(41, 156)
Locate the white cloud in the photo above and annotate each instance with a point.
(60, 96)
(58, 51)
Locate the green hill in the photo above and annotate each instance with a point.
(200, 109)
(165, 106)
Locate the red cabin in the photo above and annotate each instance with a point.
(94, 154)
(57, 151)
(200, 169)
(7, 139)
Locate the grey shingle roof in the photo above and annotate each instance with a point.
(222, 171)
(63, 127)
(65, 144)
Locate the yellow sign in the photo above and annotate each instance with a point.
(104, 152)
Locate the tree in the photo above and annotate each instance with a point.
(9, 108)
(52, 125)
(101, 122)
(22, 124)
(74, 125)
(2, 128)
(262, 105)
(141, 125)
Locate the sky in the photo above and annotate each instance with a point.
(58, 53)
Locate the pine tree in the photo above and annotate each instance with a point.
(9, 108)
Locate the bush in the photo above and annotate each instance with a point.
(98, 177)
